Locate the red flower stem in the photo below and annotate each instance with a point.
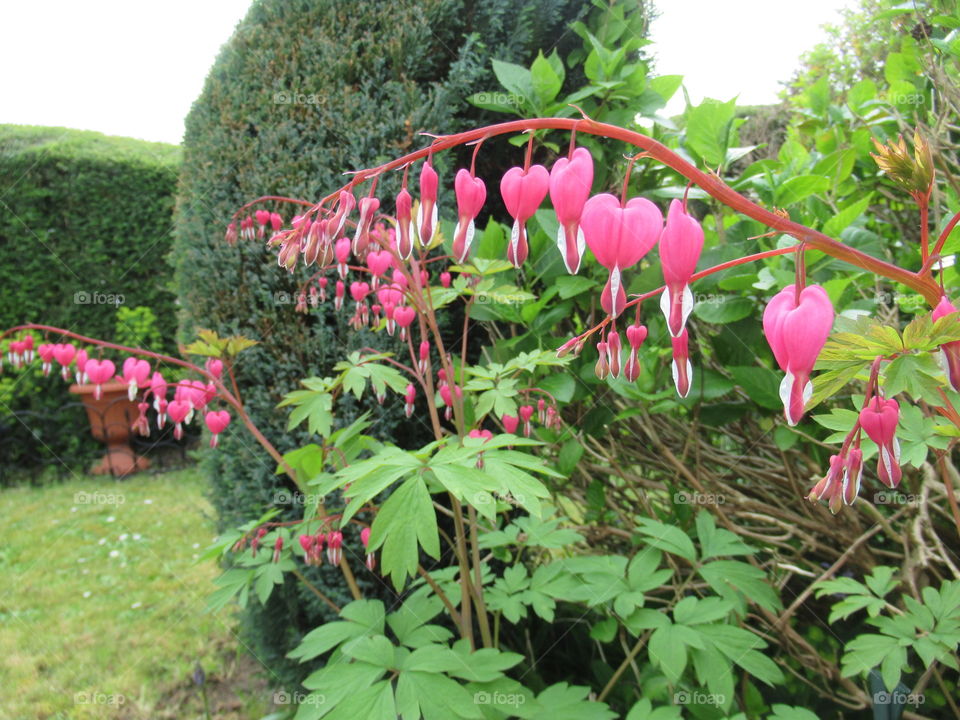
(709, 182)
(941, 241)
(923, 202)
(529, 154)
(269, 198)
(626, 180)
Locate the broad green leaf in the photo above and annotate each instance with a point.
(724, 309)
(708, 130)
(545, 79)
(668, 652)
(800, 187)
(405, 519)
(667, 537)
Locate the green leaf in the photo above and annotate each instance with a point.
(516, 79)
(667, 650)
(708, 130)
(373, 703)
(800, 187)
(739, 581)
(437, 697)
(724, 309)
(568, 702)
(742, 647)
(572, 285)
(667, 537)
(716, 542)
(404, 520)
(761, 385)
(545, 79)
(316, 407)
(839, 222)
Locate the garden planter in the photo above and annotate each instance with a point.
(110, 419)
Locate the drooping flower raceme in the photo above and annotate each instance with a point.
(522, 191)
(879, 420)
(619, 236)
(680, 245)
(796, 332)
(570, 182)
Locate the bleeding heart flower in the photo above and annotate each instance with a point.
(158, 388)
(64, 354)
(341, 252)
(409, 398)
(45, 351)
(136, 372)
(371, 560)
(404, 224)
(359, 291)
(177, 411)
(215, 366)
(570, 182)
(345, 206)
(427, 210)
(81, 375)
(636, 334)
(404, 316)
(522, 192)
(368, 210)
(797, 332)
(378, 262)
(619, 237)
(217, 422)
(99, 372)
(471, 194)
(879, 419)
(680, 245)
(949, 351)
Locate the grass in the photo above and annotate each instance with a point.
(102, 612)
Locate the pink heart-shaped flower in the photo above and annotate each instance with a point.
(217, 421)
(100, 371)
(404, 316)
(177, 410)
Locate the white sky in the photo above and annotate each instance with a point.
(745, 48)
(133, 67)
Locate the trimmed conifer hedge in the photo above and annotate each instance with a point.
(85, 227)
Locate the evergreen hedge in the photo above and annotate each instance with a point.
(85, 227)
(304, 90)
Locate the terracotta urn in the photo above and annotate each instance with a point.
(110, 419)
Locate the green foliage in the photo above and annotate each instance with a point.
(137, 327)
(928, 628)
(84, 231)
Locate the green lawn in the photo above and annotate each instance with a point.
(102, 605)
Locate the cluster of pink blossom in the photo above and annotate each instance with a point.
(189, 396)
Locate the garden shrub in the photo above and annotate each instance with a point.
(85, 224)
(300, 92)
